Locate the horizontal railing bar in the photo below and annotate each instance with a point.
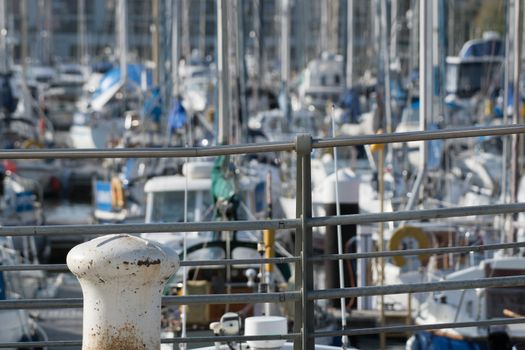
(34, 267)
(221, 338)
(225, 262)
(291, 336)
(412, 328)
(187, 263)
(492, 282)
(425, 214)
(260, 224)
(284, 260)
(79, 230)
(42, 343)
(425, 251)
(234, 298)
(55, 303)
(224, 338)
(183, 152)
(172, 152)
(419, 136)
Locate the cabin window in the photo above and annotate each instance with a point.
(169, 206)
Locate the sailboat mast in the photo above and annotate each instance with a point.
(45, 31)
(224, 133)
(514, 176)
(506, 67)
(185, 18)
(394, 26)
(350, 43)
(23, 39)
(233, 64)
(28, 109)
(122, 21)
(82, 32)
(285, 56)
(155, 55)
(202, 28)
(375, 27)
(241, 69)
(175, 47)
(3, 37)
(386, 64)
(257, 24)
(443, 43)
(437, 62)
(425, 91)
(323, 27)
(285, 41)
(426, 82)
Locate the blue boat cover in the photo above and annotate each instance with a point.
(430, 341)
(177, 117)
(112, 77)
(483, 48)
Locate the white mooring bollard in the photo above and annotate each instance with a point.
(122, 279)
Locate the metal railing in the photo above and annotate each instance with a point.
(304, 295)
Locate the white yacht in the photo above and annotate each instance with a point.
(471, 305)
(322, 81)
(99, 121)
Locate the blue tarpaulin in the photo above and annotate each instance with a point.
(152, 105)
(177, 117)
(113, 77)
(429, 341)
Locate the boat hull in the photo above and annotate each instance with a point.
(435, 341)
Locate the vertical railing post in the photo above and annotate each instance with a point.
(298, 271)
(304, 150)
(122, 279)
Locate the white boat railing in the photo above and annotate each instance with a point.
(304, 295)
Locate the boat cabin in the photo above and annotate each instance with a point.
(165, 195)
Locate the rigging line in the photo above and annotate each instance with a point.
(344, 338)
(185, 254)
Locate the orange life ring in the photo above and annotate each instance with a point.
(409, 232)
(117, 193)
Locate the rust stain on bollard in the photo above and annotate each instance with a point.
(124, 338)
(148, 262)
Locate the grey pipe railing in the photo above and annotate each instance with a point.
(304, 295)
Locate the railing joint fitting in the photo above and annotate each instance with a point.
(303, 144)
